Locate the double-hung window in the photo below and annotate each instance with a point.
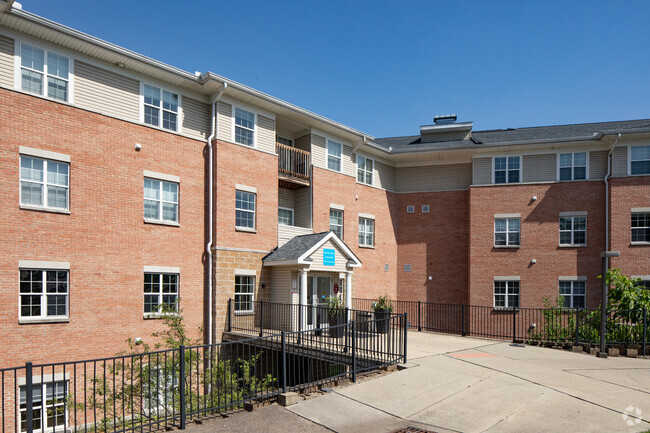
(506, 294)
(336, 222)
(160, 200)
(244, 127)
(640, 227)
(245, 210)
(160, 107)
(573, 293)
(573, 230)
(366, 232)
(49, 414)
(244, 293)
(639, 159)
(364, 170)
(507, 232)
(573, 166)
(44, 72)
(334, 150)
(507, 169)
(285, 216)
(43, 183)
(160, 292)
(43, 293)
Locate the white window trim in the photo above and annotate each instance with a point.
(557, 166)
(293, 220)
(629, 159)
(633, 211)
(179, 114)
(337, 206)
(410, 208)
(507, 232)
(44, 154)
(365, 171)
(44, 206)
(427, 207)
(243, 228)
(160, 271)
(161, 176)
(245, 273)
(572, 295)
(233, 125)
(572, 215)
(42, 383)
(521, 169)
(494, 294)
(245, 188)
(327, 154)
(47, 266)
(342, 219)
(374, 232)
(18, 66)
(161, 220)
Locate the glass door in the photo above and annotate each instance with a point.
(318, 290)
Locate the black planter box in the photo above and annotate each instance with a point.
(381, 320)
(334, 320)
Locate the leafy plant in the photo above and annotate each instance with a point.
(335, 305)
(627, 296)
(383, 304)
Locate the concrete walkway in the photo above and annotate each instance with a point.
(472, 385)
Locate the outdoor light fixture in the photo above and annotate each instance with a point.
(533, 261)
(603, 305)
(534, 198)
(138, 146)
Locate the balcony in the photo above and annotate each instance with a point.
(294, 166)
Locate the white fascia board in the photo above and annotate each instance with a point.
(338, 242)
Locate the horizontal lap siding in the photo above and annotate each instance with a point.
(286, 233)
(196, 118)
(224, 122)
(384, 176)
(304, 143)
(302, 211)
(286, 198)
(319, 151)
(539, 168)
(482, 171)
(6, 62)
(619, 162)
(105, 92)
(434, 178)
(265, 134)
(340, 260)
(597, 165)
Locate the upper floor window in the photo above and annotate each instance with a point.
(334, 151)
(573, 230)
(364, 170)
(285, 216)
(43, 293)
(573, 166)
(640, 160)
(244, 127)
(507, 169)
(160, 292)
(160, 108)
(573, 293)
(506, 294)
(640, 227)
(366, 232)
(245, 210)
(44, 72)
(284, 141)
(43, 183)
(336, 222)
(160, 200)
(506, 232)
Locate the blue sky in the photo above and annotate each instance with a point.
(387, 67)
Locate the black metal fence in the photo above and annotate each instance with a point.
(156, 390)
(553, 325)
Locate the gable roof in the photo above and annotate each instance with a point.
(299, 248)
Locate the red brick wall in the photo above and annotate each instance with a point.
(434, 244)
(539, 240)
(104, 237)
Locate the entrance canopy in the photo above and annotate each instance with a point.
(319, 251)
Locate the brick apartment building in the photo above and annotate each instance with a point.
(129, 184)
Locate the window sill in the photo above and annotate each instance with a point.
(370, 247)
(27, 320)
(507, 247)
(365, 184)
(572, 245)
(153, 316)
(244, 313)
(639, 243)
(162, 222)
(45, 209)
(245, 229)
(504, 309)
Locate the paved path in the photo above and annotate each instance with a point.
(473, 385)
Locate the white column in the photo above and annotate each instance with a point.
(348, 291)
(303, 299)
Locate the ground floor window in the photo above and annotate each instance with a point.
(244, 293)
(573, 293)
(506, 294)
(49, 413)
(160, 292)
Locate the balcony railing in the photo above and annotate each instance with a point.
(293, 163)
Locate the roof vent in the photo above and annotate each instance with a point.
(444, 119)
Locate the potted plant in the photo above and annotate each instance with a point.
(336, 316)
(383, 307)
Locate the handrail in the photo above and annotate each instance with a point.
(292, 161)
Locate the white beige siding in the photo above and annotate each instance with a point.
(348, 166)
(482, 171)
(539, 168)
(303, 143)
(6, 62)
(286, 233)
(106, 92)
(340, 260)
(597, 164)
(265, 134)
(619, 162)
(302, 211)
(224, 121)
(281, 293)
(384, 176)
(448, 177)
(286, 198)
(196, 118)
(318, 151)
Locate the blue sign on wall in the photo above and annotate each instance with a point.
(329, 257)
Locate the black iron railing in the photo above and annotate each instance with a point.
(158, 390)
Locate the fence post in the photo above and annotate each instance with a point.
(181, 384)
(419, 323)
(299, 322)
(29, 397)
(229, 315)
(284, 363)
(354, 352)
(514, 325)
(577, 326)
(462, 318)
(406, 330)
(645, 330)
(261, 318)
(347, 314)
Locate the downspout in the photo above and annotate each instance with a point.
(364, 141)
(208, 247)
(607, 175)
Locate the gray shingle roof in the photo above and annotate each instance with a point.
(295, 248)
(504, 136)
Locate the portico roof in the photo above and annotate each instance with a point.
(299, 249)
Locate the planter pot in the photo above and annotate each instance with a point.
(335, 319)
(381, 320)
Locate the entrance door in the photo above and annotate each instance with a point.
(318, 290)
